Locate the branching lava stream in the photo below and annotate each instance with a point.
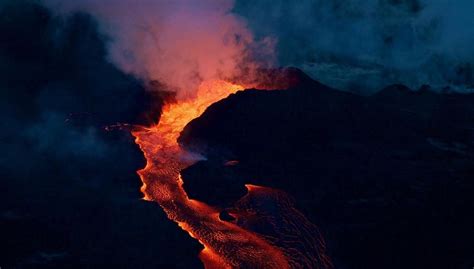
(226, 245)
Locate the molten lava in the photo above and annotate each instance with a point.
(291, 240)
(226, 245)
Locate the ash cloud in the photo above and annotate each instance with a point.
(179, 43)
(362, 46)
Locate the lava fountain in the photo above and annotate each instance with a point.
(226, 245)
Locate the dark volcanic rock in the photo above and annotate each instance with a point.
(225, 216)
(388, 177)
(227, 186)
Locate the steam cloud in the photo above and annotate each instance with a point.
(363, 45)
(179, 43)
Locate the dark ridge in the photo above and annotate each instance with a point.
(387, 177)
(274, 78)
(395, 90)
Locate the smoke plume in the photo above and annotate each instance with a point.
(354, 45)
(179, 43)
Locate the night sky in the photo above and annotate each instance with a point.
(368, 146)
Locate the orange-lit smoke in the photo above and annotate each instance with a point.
(179, 43)
(175, 116)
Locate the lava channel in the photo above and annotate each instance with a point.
(226, 245)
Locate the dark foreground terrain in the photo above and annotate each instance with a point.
(388, 178)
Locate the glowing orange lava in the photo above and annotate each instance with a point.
(226, 245)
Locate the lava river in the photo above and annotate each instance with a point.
(226, 245)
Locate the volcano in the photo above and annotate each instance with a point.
(239, 165)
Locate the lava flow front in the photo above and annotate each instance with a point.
(226, 245)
